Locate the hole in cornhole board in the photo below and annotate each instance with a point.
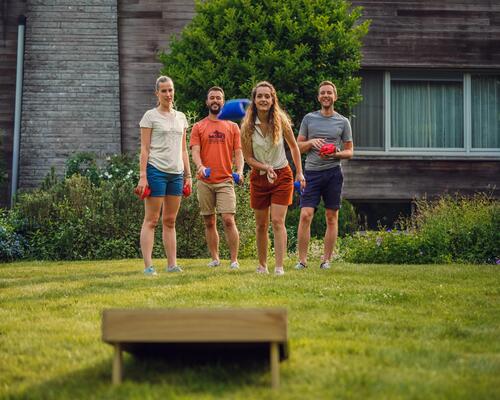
(190, 354)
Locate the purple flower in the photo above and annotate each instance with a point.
(497, 262)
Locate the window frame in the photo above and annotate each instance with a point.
(467, 151)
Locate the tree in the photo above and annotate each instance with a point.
(294, 44)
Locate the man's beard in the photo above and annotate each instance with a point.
(214, 111)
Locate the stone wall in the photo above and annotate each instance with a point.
(71, 97)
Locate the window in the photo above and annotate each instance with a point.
(428, 113)
(368, 116)
(485, 104)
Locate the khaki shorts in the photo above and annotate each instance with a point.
(216, 198)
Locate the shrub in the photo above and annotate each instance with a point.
(87, 215)
(458, 228)
(12, 244)
(93, 214)
(450, 229)
(295, 44)
(383, 247)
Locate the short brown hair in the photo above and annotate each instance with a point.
(329, 83)
(216, 89)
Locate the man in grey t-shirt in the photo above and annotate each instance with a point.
(323, 172)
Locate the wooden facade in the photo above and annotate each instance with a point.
(431, 34)
(378, 179)
(145, 28)
(445, 35)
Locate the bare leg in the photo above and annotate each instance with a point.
(152, 208)
(261, 233)
(232, 235)
(211, 235)
(278, 214)
(304, 232)
(171, 206)
(332, 227)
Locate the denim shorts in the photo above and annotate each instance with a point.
(164, 184)
(326, 184)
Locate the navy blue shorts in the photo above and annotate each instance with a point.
(164, 184)
(326, 184)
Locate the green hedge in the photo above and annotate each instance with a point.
(93, 214)
(451, 229)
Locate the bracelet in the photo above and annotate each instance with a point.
(187, 176)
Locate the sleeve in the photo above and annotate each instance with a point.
(195, 136)
(347, 133)
(236, 137)
(146, 120)
(303, 130)
(185, 121)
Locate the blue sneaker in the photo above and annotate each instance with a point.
(174, 268)
(150, 271)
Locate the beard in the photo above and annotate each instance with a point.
(214, 109)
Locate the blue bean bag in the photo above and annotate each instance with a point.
(234, 109)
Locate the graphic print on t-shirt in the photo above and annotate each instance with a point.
(216, 137)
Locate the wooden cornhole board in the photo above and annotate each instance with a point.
(132, 329)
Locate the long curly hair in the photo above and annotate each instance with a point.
(276, 117)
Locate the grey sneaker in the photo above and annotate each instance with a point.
(300, 265)
(213, 263)
(325, 265)
(174, 268)
(234, 265)
(150, 271)
(262, 270)
(279, 271)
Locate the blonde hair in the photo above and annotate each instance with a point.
(162, 79)
(276, 117)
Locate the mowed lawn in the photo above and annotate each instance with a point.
(355, 331)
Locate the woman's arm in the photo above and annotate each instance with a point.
(294, 149)
(185, 160)
(143, 160)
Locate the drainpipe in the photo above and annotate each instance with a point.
(17, 113)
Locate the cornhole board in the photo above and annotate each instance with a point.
(132, 329)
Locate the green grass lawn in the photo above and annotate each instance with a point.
(356, 331)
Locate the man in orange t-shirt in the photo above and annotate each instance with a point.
(214, 144)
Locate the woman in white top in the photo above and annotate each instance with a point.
(164, 169)
(264, 129)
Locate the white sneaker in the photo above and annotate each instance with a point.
(279, 271)
(213, 263)
(325, 265)
(234, 265)
(262, 270)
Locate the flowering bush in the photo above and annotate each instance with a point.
(12, 244)
(450, 229)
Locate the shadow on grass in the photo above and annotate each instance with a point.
(151, 376)
(103, 283)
